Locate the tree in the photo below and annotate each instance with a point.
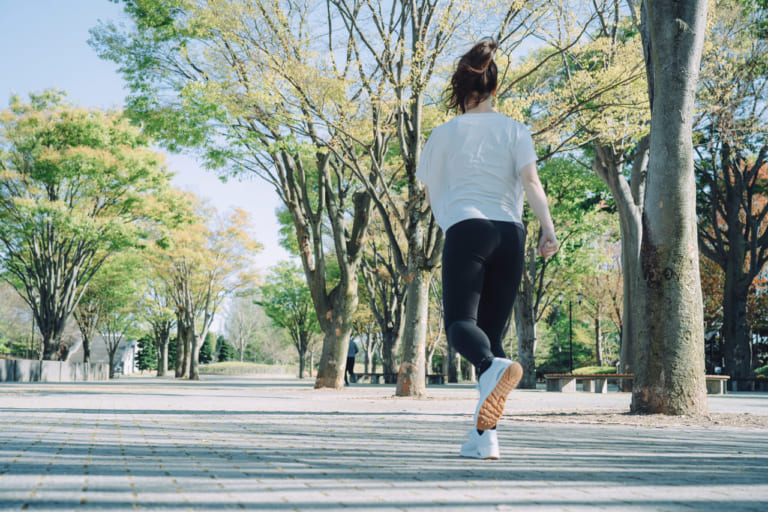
(731, 169)
(398, 48)
(87, 315)
(386, 301)
(577, 204)
(399, 45)
(202, 266)
(172, 348)
(253, 111)
(252, 334)
(76, 186)
(593, 95)
(225, 351)
(115, 290)
(147, 358)
(602, 293)
(733, 233)
(15, 319)
(156, 309)
(436, 342)
(712, 294)
(242, 323)
(558, 354)
(669, 357)
(208, 348)
(287, 301)
(368, 336)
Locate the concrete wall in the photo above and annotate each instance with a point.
(25, 370)
(7, 370)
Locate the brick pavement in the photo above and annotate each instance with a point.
(255, 444)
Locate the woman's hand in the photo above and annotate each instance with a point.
(548, 245)
(538, 200)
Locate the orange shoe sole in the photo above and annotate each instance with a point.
(493, 407)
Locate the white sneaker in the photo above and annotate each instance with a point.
(484, 446)
(494, 386)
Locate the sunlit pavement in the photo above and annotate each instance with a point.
(257, 444)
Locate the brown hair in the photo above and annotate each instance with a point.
(475, 77)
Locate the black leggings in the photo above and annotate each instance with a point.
(482, 268)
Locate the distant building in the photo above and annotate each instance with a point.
(125, 357)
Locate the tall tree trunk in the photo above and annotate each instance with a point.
(194, 359)
(390, 345)
(737, 349)
(333, 359)
(111, 357)
(730, 236)
(181, 334)
(629, 199)
(335, 309)
(634, 298)
(368, 364)
(188, 343)
(526, 336)
(374, 364)
(51, 324)
(161, 331)
(86, 315)
(162, 361)
(337, 326)
(425, 245)
(669, 355)
(411, 379)
(50, 347)
(302, 364)
(303, 344)
(86, 350)
(524, 310)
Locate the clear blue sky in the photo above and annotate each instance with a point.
(43, 44)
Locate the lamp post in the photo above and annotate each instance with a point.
(570, 326)
(570, 332)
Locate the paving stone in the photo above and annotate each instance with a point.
(256, 444)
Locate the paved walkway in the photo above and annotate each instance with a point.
(254, 444)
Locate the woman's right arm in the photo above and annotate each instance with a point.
(537, 198)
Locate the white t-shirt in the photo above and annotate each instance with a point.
(471, 166)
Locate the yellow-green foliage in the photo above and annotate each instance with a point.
(246, 368)
(596, 91)
(595, 370)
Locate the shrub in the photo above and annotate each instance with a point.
(595, 370)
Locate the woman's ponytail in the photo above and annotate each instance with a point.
(475, 77)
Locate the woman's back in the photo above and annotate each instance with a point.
(471, 166)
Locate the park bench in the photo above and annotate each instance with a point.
(599, 383)
(374, 378)
(716, 384)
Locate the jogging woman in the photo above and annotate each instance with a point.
(476, 167)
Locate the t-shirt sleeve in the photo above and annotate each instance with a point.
(525, 153)
(423, 169)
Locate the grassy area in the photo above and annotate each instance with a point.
(595, 370)
(246, 368)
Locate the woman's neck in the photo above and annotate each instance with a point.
(484, 107)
